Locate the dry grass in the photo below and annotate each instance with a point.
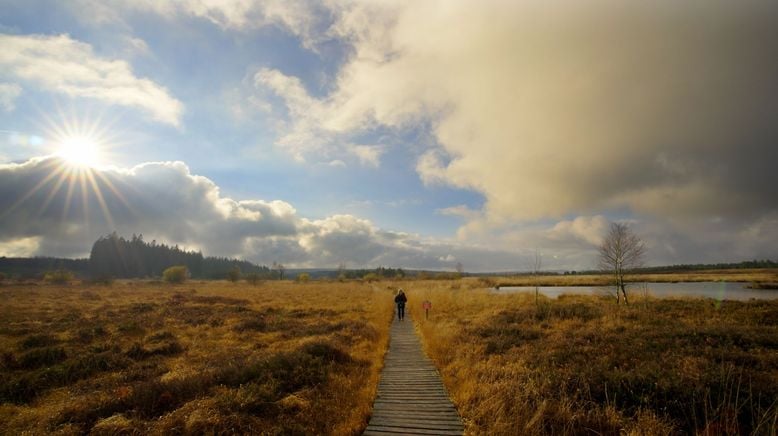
(582, 365)
(291, 358)
(734, 275)
(214, 358)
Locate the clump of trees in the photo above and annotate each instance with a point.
(621, 252)
(115, 256)
(175, 274)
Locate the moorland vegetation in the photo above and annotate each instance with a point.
(303, 357)
(196, 358)
(585, 365)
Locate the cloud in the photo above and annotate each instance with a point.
(67, 66)
(19, 247)
(369, 155)
(662, 108)
(305, 19)
(307, 129)
(587, 229)
(48, 210)
(135, 46)
(9, 92)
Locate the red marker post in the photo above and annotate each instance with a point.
(426, 305)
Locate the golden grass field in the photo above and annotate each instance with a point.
(583, 365)
(292, 358)
(196, 358)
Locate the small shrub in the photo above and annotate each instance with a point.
(370, 277)
(58, 277)
(303, 277)
(175, 274)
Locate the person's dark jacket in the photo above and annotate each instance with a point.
(400, 299)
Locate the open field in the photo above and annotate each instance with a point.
(291, 358)
(732, 275)
(582, 365)
(201, 357)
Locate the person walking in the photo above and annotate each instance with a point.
(400, 300)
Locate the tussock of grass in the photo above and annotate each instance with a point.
(141, 357)
(581, 364)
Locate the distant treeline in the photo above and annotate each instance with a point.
(381, 272)
(34, 267)
(116, 257)
(748, 264)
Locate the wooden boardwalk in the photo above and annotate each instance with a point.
(411, 397)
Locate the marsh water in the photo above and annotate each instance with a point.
(715, 290)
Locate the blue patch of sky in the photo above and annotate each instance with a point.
(208, 69)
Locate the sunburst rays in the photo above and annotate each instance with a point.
(75, 170)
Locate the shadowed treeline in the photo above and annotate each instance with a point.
(117, 257)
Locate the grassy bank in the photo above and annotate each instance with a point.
(582, 365)
(140, 358)
(757, 276)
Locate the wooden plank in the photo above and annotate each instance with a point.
(408, 430)
(411, 397)
(427, 425)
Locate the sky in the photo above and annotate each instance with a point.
(415, 134)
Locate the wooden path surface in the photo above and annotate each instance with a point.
(411, 397)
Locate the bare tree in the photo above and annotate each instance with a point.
(342, 271)
(280, 268)
(460, 269)
(535, 265)
(621, 251)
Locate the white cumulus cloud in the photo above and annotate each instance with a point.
(67, 66)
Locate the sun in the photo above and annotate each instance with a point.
(80, 151)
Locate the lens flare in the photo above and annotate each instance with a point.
(81, 151)
(78, 167)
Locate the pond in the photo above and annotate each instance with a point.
(715, 290)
